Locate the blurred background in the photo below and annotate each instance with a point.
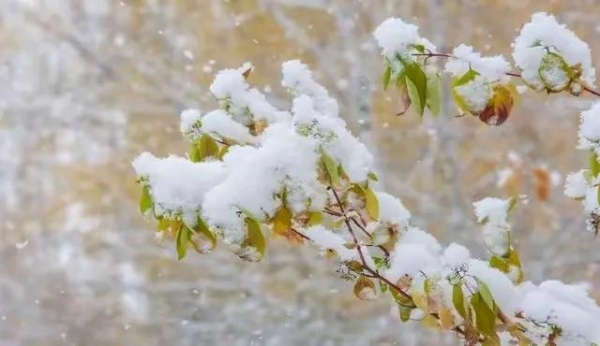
(86, 85)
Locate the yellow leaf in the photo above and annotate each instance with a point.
(208, 147)
(446, 318)
(260, 126)
(223, 151)
(372, 204)
(420, 300)
(282, 221)
(430, 321)
(315, 218)
(253, 248)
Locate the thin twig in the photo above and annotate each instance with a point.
(300, 234)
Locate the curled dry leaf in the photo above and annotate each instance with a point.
(364, 288)
(500, 105)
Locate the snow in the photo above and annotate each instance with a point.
(245, 104)
(412, 260)
(190, 123)
(576, 185)
(589, 129)
(476, 94)
(503, 176)
(500, 286)
(193, 124)
(222, 125)
(328, 240)
(415, 253)
(331, 134)
(491, 210)
(492, 213)
(491, 69)
(420, 237)
(544, 33)
(228, 84)
(590, 201)
(394, 36)
(456, 256)
(392, 211)
(177, 185)
(297, 77)
(284, 160)
(565, 306)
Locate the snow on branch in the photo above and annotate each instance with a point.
(254, 172)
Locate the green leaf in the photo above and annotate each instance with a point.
(146, 203)
(331, 167)
(416, 81)
(194, 153)
(372, 204)
(380, 262)
(163, 224)
(373, 176)
(491, 340)
(255, 238)
(499, 263)
(427, 286)
(202, 230)
(404, 312)
(247, 213)
(402, 300)
(458, 299)
(513, 258)
(181, 241)
(594, 164)
(387, 75)
(419, 47)
(401, 81)
(434, 94)
(466, 78)
(315, 218)
(551, 67)
(485, 318)
(383, 287)
(341, 173)
(504, 263)
(512, 203)
(208, 146)
(486, 295)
